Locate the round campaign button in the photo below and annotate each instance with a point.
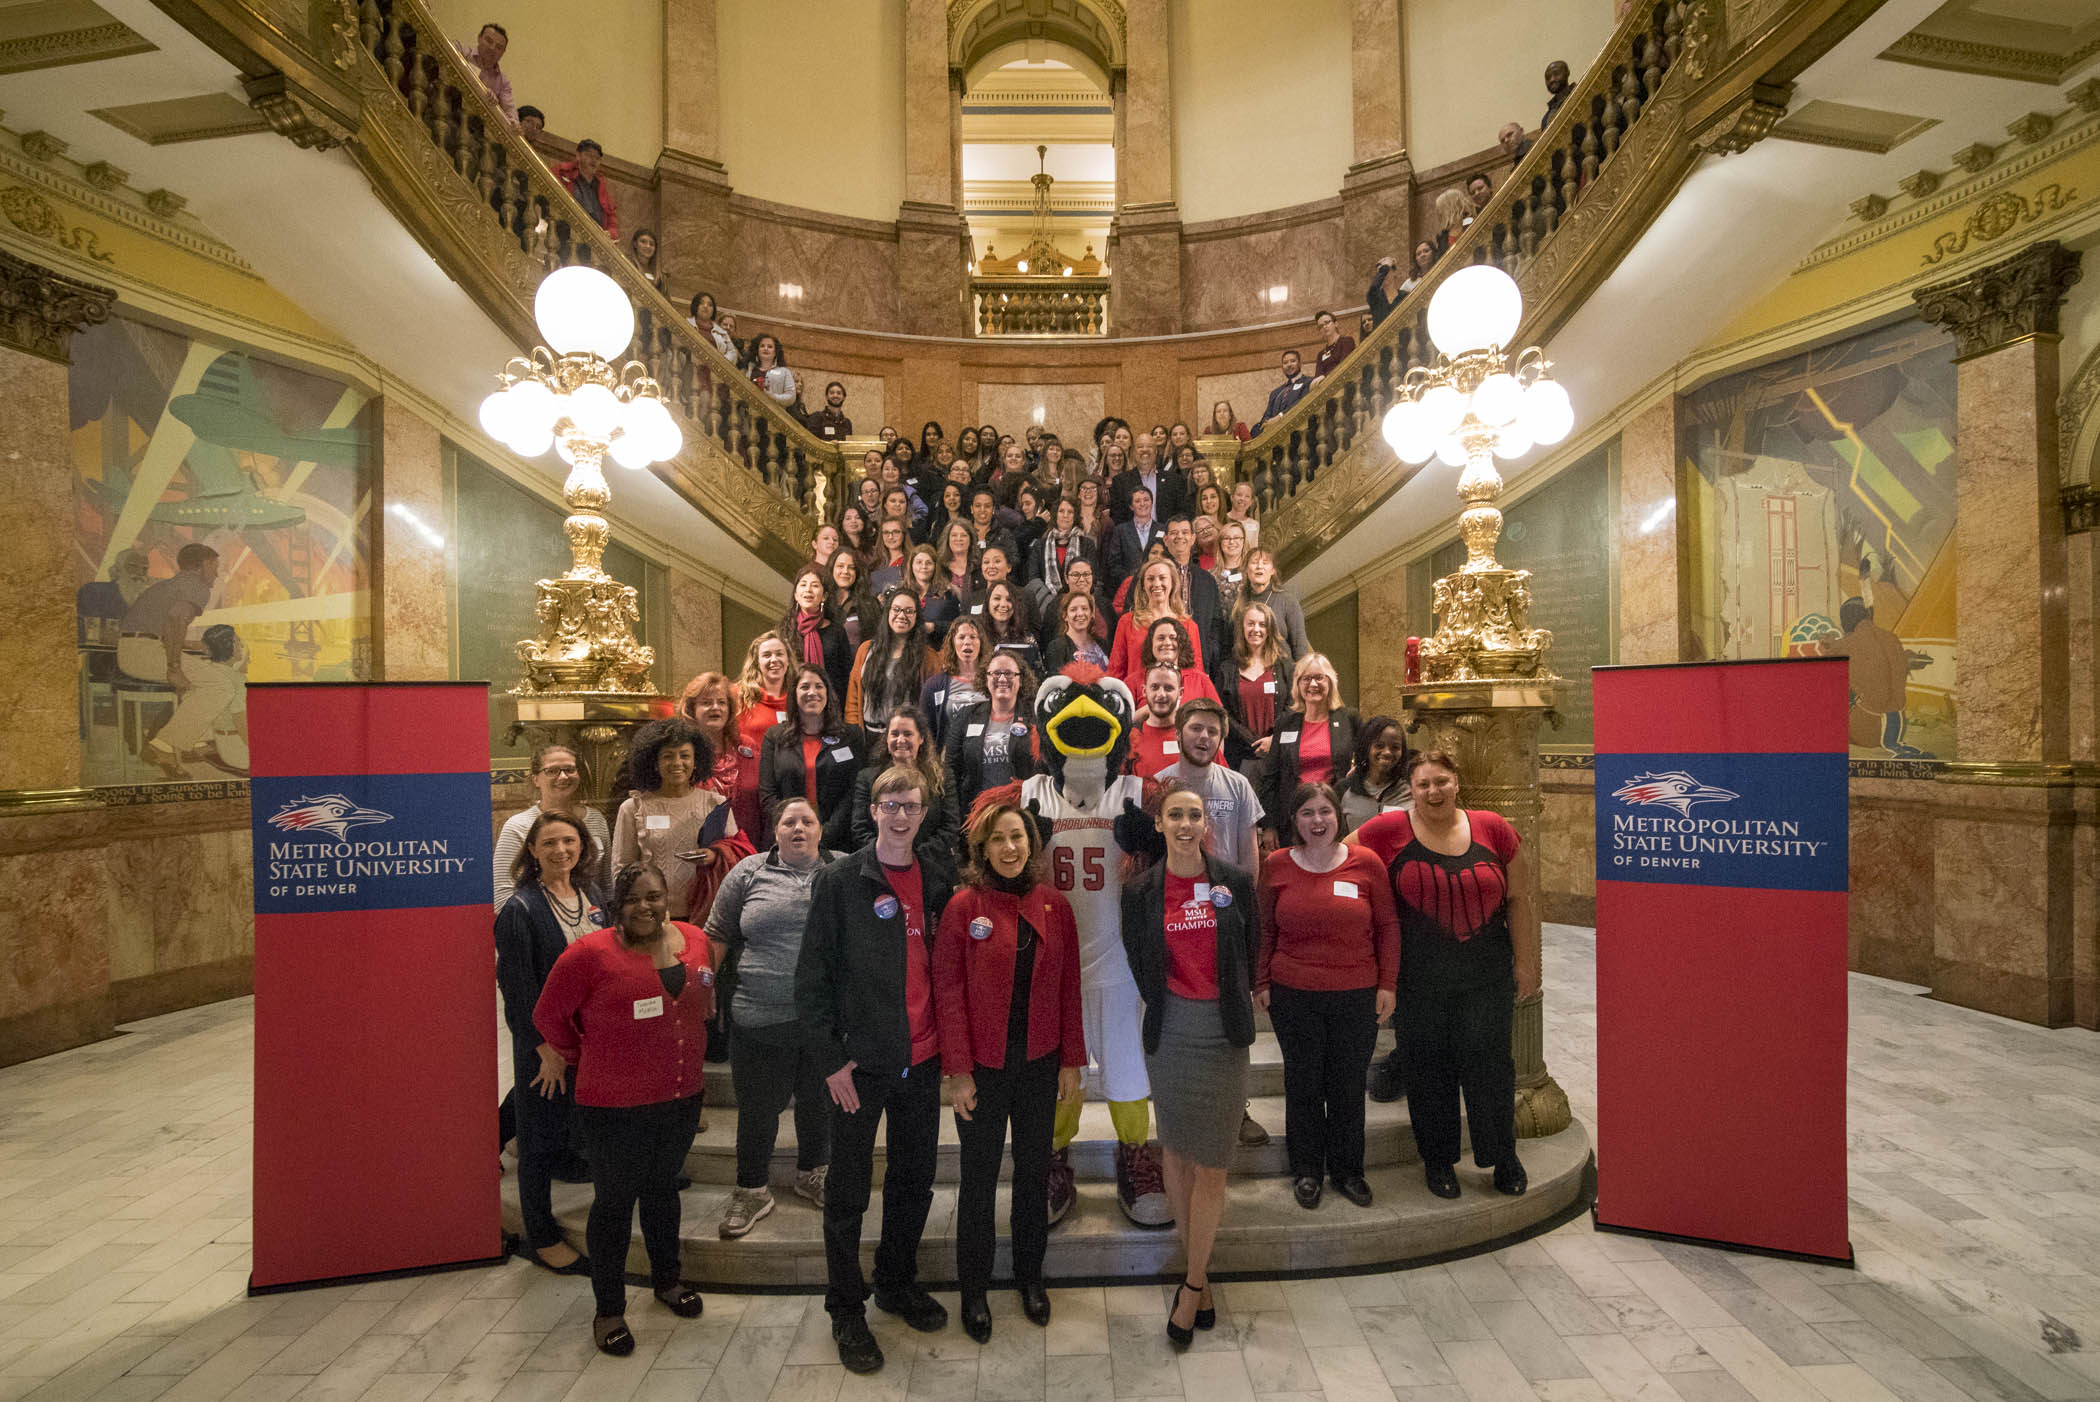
(981, 928)
(886, 907)
(1020, 730)
(744, 750)
(1220, 897)
(707, 978)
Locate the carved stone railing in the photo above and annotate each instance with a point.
(440, 152)
(1040, 306)
(1668, 87)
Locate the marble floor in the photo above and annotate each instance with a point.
(1975, 1215)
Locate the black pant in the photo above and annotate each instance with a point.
(637, 1153)
(912, 1102)
(1326, 1038)
(772, 1068)
(543, 1144)
(1027, 1096)
(1458, 1040)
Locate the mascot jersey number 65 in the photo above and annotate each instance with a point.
(1091, 816)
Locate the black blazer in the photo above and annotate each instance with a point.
(1240, 736)
(850, 828)
(780, 775)
(838, 655)
(963, 755)
(1239, 936)
(528, 941)
(849, 983)
(1209, 615)
(1280, 774)
(1172, 495)
(1126, 550)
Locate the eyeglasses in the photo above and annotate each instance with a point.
(898, 808)
(559, 769)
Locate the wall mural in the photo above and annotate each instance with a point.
(221, 537)
(1819, 497)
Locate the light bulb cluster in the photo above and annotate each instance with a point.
(1477, 397)
(568, 396)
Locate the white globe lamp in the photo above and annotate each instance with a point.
(1498, 400)
(593, 410)
(1452, 452)
(1475, 308)
(580, 309)
(1549, 415)
(497, 414)
(1443, 410)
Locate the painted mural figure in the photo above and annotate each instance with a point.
(210, 688)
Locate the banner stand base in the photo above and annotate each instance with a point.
(370, 1276)
(1599, 1224)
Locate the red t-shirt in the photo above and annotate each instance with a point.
(1315, 754)
(1327, 930)
(1258, 702)
(1152, 747)
(812, 746)
(1192, 939)
(918, 971)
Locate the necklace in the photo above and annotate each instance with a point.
(562, 911)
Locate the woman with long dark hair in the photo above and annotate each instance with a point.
(769, 369)
(994, 741)
(850, 601)
(813, 754)
(959, 684)
(1079, 637)
(1006, 618)
(890, 668)
(811, 627)
(1377, 779)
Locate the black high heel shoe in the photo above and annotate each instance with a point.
(1179, 1337)
(1207, 1316)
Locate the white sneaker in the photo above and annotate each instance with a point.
(811, 1184)
(746, 1207)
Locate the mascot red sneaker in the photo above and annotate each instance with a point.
(1093, 820)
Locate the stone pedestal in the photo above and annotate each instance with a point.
(933, 270)
(596, 726)
(1492, 729)
(411, 635)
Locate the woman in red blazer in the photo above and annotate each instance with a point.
(627, 1008)
(1006, 996)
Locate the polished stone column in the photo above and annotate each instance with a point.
(2004, 837)
(1381, 641)
(933, 241)
(1145, 239)
(1375, 208)
(692, 213)
(1649, 628)
(411, 634)
(696, 630)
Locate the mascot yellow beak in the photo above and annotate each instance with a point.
(1084, 729)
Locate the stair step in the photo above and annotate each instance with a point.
(1264, 1230)
(1264, 1068)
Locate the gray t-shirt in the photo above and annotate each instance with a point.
(763, 904)
(1234, 810)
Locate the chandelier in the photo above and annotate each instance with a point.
(567, 395)
(1478, 403)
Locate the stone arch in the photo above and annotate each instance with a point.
(1093, 31)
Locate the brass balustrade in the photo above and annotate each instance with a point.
(802, 474)
(1040, 306)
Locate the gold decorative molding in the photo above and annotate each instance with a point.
(165, 203)
(2081, 508)
(2086, 96)
(1870, 207)
(2033, 127)
(291, 114)
(1748, 121)
(1998, 216)
(41, 309)
(33, 215)
(87, 44)
(2004, 302)
(1974, 157)
(152, 214)
(1928, 50)
(42, 146)
(1919, 183)
(104, 176)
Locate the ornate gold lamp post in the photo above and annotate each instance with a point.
(586, 677)
(1485, 684)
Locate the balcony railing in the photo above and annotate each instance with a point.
(1040, 306)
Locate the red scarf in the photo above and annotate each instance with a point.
(809, 626)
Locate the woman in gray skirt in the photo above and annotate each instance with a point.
(1191, 931)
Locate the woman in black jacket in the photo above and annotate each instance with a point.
(1254, 684)
(814, 634)
(907, 742)
(993, 742)
(1312, 741)
(812, 754)
(548, 910)
(1192, 932)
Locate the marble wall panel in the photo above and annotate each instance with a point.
(865, 396)
(2082, 628)
(53, 953)
(1892, 855)
(931, 278)
(696, 630)
(2002, 887)
(39, 667)
(1069, 411)
(1567, 846)
(1228, 268)
(849, 272)
(413, 637)
(2085, 908)
(180, 900)
(1647, 535)
(1145, 297)
(1381, 641)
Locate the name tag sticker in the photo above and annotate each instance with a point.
(1347, 890)
(977, 608)
(1268, 688)
(973, 732)
(1202, 890)
(886, 907)
(657, 822)
(1171, 747)
(842, 755)
(981, 928)
(782, 716)
(648, 1007)
(1289, 737)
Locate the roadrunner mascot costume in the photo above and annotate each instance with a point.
(1094, 823)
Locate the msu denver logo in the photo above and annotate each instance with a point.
(331, 813)
(1675, 789)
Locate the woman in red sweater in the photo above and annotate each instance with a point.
(1006, 996)
(1330, 953)
(627, 1007)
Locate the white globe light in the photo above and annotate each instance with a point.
(581, 309)
(649, 420)
(1451, 453)
(1443, 409)
(1418, 449)
(530, 440)
(532, 406)
(498, 413)
(1498, 400)
(1399, 424)
(1476, 307)
(594, 410)
(1513, 441)
(631, 449)
(1548, 413)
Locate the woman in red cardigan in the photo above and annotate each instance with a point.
(1006, 996)
(627, 1007)
(1330, 955)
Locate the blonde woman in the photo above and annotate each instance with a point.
(1157, 596)
(1231, 567)
(1453, 213)
(1312, 741)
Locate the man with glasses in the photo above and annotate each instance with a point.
(864, 993)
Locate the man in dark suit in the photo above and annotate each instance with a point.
(1169, 486)
(1295, 383)
(1129, 541)
(1199, 591)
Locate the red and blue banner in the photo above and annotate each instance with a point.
(1722, 883)
(375, 995)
